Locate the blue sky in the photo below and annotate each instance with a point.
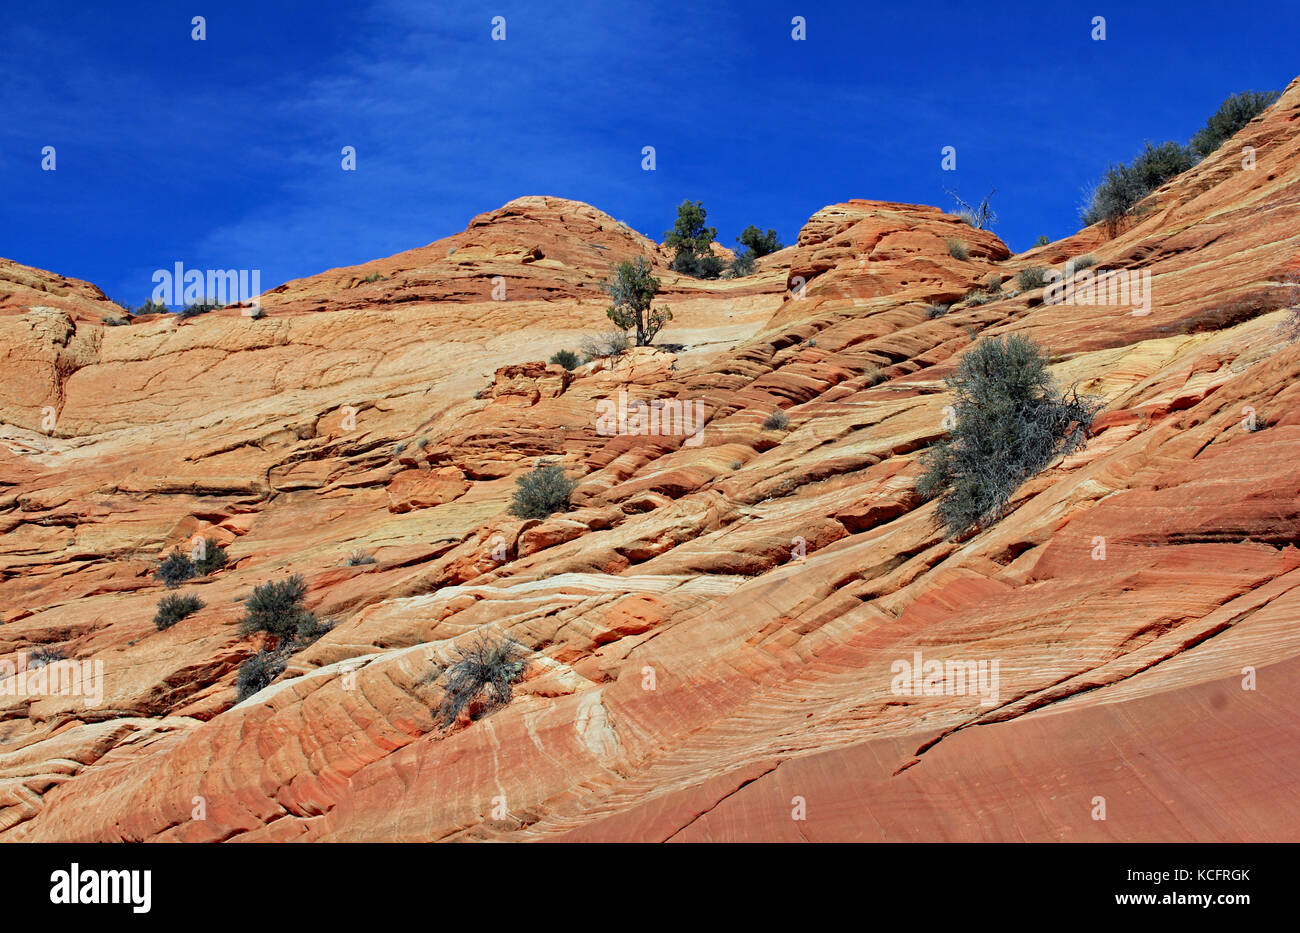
(225, 153)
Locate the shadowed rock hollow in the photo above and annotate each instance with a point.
(712, 631)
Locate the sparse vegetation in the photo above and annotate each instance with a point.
(172, 608)
(1085, 261)
(1232, 115)
(202, 306)
(484, 667)
(610, 344)
(257, 672)
(957, 249)
(541, 492)
(1031, 277)
(981, 215)
(42, 655)
(175, 569)
(936, 310)
(632, 288)
(152, 307)
(116, 320)
(566, 358)
(1043, 240)
(359, 558)
(1123, 186)
(276, 608)
(742, 265)
(1011, 422)
(372, 277)
(212, 557)
(777, 421)
(692, 243)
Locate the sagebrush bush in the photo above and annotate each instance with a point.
(610, 344)
(566, 358)
(359, 558)
(258, 671)
(1085, 261)
(935, 310)
(1043, 240)
(203, 306)
(173, 608)
(777, 421)
(1232, 115)
(541, 492)
(483, 666)
(175, 569)
(744, 264)
(276, 608)
(1031, 277)
(1011, 422)
(42, 655)
(212, 557)
(957, 249)
(1123, 186)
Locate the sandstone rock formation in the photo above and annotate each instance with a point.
(714, 629)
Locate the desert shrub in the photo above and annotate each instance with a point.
(609, 344)
(1232, 115)
(420, 443)
(401, 446)
(212, 557)
(175, 569)
(744, 264)
(1085, 261)
(631, 289)
(42, 655)
(202, 306)
(172, 608)
(981, 215)
(566, 358)
(359, 558)
(777, 421)
(544, 490)
(484, 666)
(276, 608)
(957, 249)
(373, 277)
(1011, 422)
(1032, 277)
(257, 312)
(258, 671)
(1042, 240)
(116, 320)
(872, 375)
(935, 310)
(1123, 186)
(692, 243)
(152, 307)
(759, 243)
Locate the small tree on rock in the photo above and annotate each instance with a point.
(693, 243)
(632, 288)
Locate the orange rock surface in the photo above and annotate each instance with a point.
(714, 629)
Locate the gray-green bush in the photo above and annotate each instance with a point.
(1011, 422)
(173, 607)
(541, 492)
(484, 667)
